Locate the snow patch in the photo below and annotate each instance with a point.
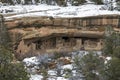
(36, 77)
(31, 61)
(56, 11)
(69, 66)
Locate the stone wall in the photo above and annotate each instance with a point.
(58, 44)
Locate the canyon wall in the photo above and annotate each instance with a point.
(92, 21)
(37, 35)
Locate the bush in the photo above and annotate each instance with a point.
(89, 65)
(98, 1)
(116, 52)
(61, 2)
(78, 2)
(112, 69)
(10, 70)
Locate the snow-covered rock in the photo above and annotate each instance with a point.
(56, 11)
(107, 59)
(69, 66)
(52, 72)
(31, 61)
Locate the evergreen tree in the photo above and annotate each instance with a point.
(118, 3)
(4, 35)
(8, 69)
(98, 1)
(116, 52)
(112, 69)
(90, 65)
(108, 46)
(112, 48)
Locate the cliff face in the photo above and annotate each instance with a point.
(93, 21)
(48, 34)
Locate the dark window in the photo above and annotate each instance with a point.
(54, 42)
(66, 39)
(38, 45)
(20, 51)
(28, 44)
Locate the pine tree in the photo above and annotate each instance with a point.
(4, 35)
(9, 70)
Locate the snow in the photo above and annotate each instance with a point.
(39, 77)
(52, 72)
(68, 66)
(56, 11)
(61, 78)
(31, 61)
(58, 78)
(107, 59)
(36, 77)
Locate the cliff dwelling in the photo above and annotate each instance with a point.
(58, 40)
(48, 35)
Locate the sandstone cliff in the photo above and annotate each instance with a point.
(48, 34)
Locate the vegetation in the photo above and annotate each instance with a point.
(98, 1)
(44, 74)
(112, 48)
(61, 2)
(94, 68)
(112, 69)
(78, 2)
(4, 37)
(50, 2)
(117, 7)
(112, 42)
(9, 69)
(90, 65)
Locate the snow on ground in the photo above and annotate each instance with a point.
(31, 61)
(68, 66)
(39, 77)
(52, 72)
(56, 11)
(34, 61)
(36, 77)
